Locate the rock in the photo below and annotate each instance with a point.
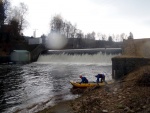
(119, 96)
(105, 111)
(126, 109)
(124, 97)
(144, 107)
(131, 111)
(120, 106)
(114, 93)
(115, 89)
(138, 109)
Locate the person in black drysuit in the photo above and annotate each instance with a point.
(100, 76)
(83, 79)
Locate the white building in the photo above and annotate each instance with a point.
(35, 41)
(20, 56)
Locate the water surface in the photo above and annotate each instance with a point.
(31, 87)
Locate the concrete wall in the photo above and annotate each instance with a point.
(121, 66)
(135, 53)
(137, 47)
(36, 52)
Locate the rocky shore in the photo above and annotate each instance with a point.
(130, 94)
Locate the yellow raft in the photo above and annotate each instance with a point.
(85, 85)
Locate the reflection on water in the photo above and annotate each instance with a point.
(28, 88)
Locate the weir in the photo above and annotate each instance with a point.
(94, 56)
(76, 58)
(87, 51)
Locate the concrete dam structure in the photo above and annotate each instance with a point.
(135, 53)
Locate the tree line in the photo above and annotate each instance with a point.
(77, 39)
(64, 27)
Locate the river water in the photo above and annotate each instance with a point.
(31, 87)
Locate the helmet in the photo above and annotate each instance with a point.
(80, 76)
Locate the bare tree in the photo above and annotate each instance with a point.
(4, 7)
(56, 23)
(99, 35)
(67, 28)
(2, 12)
(130, 36)
(72, 30)
(110, 39)
(18, 14)
(104, 37)
(122, 36)
(93, 35)
(90, 36)
(117, 38)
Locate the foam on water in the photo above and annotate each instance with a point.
(98, 58)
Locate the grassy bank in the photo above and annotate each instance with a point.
(131, 94)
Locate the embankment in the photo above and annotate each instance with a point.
(123, 65)
(127, 95)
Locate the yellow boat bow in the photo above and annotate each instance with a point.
(84, 85)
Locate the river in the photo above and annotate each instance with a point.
(32, 87)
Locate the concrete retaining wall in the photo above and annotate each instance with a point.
(135, 53)
(122, 66)
(36, 52)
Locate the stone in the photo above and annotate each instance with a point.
(126, 109)
(115, 89)
(119, 96)
(144, 107)
(105, 111)
(131, 111)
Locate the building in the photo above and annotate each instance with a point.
(20, 56)
(34, 41)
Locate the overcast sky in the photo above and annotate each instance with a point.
(103, 16)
